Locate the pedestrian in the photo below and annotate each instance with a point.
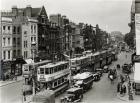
(24, 96)
(124, 89)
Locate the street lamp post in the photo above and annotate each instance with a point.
(33, 72)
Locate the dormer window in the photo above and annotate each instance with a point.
(43, 20)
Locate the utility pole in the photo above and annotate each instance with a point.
(33, 71)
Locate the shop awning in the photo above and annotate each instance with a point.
(20, 61)
(137, 72)
(29, 61)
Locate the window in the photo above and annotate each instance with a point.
(3, 41)
(31, 39)
(14, 30)
(25, 44)
(14, 41)
(31, 28)
(14, 53)
(18, 52)
(8, 41)
(4, 54)
(18, 41)
(8, 27)
(18, 29)
(34, 38)
(43, 20)
(34, 28)
(3, 27)
(8, 54)
(25, 54)
(41, 70)
(25, 32)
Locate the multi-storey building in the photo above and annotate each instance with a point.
(35, 13)
(29, 38)
(7, 33)
(77, 40)
(6, 49)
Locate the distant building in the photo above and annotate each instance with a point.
(77, 40)
(56, 19)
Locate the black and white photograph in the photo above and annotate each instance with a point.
(69, 51)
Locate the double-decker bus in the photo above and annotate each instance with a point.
(27, 68)
(54, 76)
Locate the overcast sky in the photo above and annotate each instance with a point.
(111, 15)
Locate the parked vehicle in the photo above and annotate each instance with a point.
(73, 95)
(99, 71)
(126, 68)
(96, 77)
(83, 80)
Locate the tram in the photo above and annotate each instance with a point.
(94, 60)
(54, 76)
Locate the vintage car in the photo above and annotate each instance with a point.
(83, 80)
(73, 95)
(96, 77)
(126, 68)
(99, 71)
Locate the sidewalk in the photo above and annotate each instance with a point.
(4, 83)
(136, 98)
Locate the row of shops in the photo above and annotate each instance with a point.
(11, 68)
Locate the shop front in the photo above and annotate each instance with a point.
(6, 69)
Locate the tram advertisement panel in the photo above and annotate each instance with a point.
(137, 25)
